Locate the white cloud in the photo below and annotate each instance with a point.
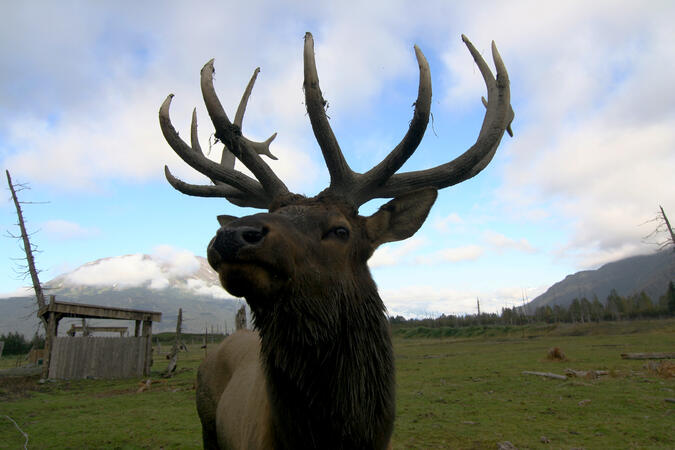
(168, 267)
(156, 272)
(201, 288)
(426, 301)
(594, 120)
(395, 253)
(124, 271)
(159, 283)
(444, 224)
(500, 242)
(455, 254)
(65, 230)
(176, 262)
(19, 292)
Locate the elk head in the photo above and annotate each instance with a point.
(260, 255)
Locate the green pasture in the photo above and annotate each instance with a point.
(463, 391)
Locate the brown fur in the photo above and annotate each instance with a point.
(319, 370)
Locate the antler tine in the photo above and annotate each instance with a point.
(227, 157)
(497, 119)
(229, 134)
(400, 154)
(508, 127)
(261, 148)
(196, 159)
(232, 194)
(341, 174)
(194, 137)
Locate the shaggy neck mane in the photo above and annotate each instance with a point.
(329, 366)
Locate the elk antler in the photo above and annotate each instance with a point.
(229, 183)
(498, 118)
(381, 181)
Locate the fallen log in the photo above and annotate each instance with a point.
(546, 375)
(648, 355)
(585, 373)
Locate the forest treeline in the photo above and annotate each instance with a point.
(17, 344)
(581, 310)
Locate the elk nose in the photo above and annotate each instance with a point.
(253, 235)
(229, 240)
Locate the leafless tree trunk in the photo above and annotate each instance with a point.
(670, 229)
(662, 226)
(39, 294)
(27, 246)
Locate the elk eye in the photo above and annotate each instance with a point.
(341, 233)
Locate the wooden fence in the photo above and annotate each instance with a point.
(97, 357)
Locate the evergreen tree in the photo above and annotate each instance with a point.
(596, 309)
(642, 305)
(670, 296)
(575, 311)
(613, 306)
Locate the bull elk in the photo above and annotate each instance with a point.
(318, 371)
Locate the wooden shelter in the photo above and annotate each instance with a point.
(107, 357)
(87, 330)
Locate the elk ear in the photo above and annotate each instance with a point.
(400, 218)
(225, 219)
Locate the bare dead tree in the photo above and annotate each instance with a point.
(27, 247)
(663, 227)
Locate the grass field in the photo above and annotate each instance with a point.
(461, 392)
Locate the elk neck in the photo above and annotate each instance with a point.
(328, 361)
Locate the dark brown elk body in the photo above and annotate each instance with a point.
(318, 370)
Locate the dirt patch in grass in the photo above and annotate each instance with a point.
(556, 354)
(13, 388)
(114, 392)
(663, 369)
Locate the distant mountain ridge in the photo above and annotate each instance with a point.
(164, 283)
(649, 273)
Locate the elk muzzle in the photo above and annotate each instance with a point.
(229, 242)
(251, 259)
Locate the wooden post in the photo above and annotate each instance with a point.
(240, 319)
(51, 332)
(173, 356)
(137, 328)
(206, 334)
(49, 339)
(147, 335)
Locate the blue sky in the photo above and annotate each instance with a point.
(592, 158)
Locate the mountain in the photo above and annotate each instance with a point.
(649, 273)
(162, 282)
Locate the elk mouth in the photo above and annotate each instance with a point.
(244, 271)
